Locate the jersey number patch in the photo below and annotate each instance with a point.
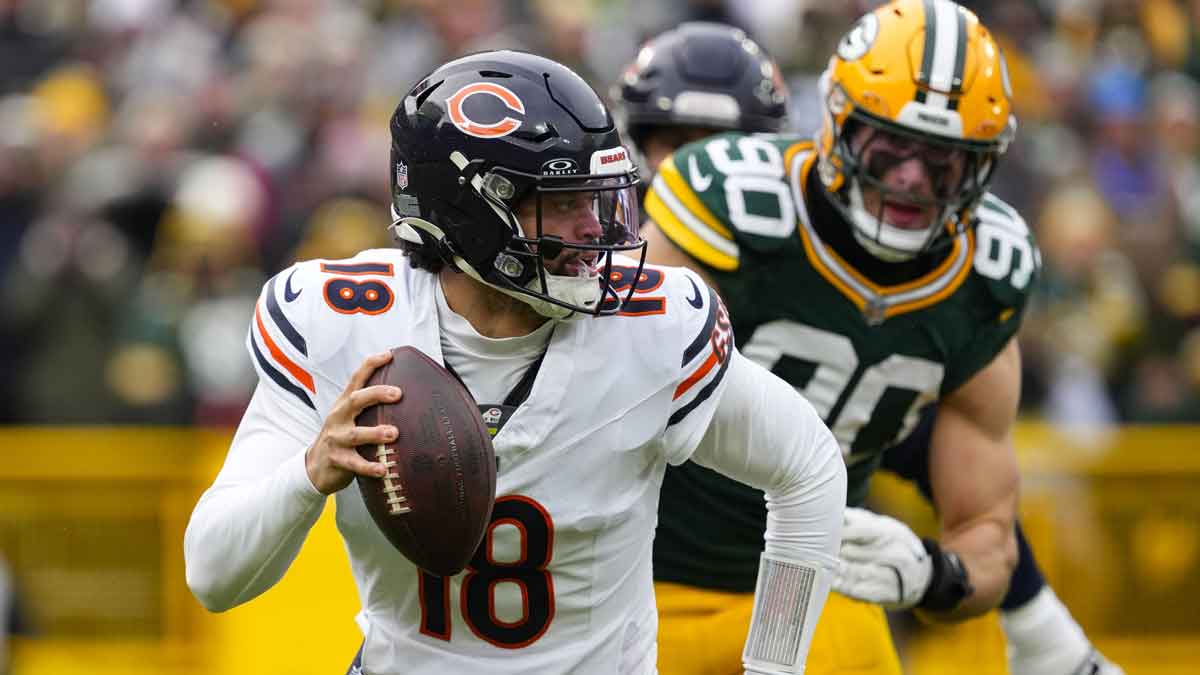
(758, 201)
(867, 408)
(347, 296)
(492, 569)
(1003, 254)
(621, 279)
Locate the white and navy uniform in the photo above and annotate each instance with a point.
(563, 582)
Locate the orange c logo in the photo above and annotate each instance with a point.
(494, 130)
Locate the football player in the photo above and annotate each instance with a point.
(691, 82)
(874, 272)
(520, 268)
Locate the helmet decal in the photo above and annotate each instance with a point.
(401, 176)
(856, 43)
(560, 167)
(943, 55)
(611, 161)
(507, 125)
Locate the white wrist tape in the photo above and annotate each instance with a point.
(788, 600)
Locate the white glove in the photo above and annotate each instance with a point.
(881, 561)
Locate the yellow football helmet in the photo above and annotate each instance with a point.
(926, 71)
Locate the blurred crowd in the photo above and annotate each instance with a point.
(159, 159)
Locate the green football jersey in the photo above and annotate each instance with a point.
(868, 356)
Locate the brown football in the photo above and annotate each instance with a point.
(436, 500)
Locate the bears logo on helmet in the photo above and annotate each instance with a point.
(458, 114)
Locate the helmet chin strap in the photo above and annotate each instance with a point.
(579, 291)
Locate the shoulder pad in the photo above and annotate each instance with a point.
(1007, 258)
(298, 321)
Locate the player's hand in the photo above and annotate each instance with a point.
(881, 561)
(333, 461)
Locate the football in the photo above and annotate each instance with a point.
(436, 500)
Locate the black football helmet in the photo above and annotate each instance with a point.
(701, 74)
(481, 134)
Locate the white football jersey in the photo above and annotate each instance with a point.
(562, 582)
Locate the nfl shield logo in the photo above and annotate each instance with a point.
(402, 176)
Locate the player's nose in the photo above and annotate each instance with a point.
(587, 226)
(911, 175)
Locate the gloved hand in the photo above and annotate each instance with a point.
(881, 561)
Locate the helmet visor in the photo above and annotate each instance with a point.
(567, 228)
(943, 166)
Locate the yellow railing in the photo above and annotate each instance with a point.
(1114, 520)
(93, 519)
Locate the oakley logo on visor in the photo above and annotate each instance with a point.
(507, 125)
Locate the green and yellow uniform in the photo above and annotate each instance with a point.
(869, 344)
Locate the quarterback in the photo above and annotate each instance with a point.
(873, 271)
(520, 268)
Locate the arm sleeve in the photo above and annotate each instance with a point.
(249, 525)
(766, 435)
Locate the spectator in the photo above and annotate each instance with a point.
(106, 107)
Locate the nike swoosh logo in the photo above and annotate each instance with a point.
(699, 180)
(696, 301)
(288, 294)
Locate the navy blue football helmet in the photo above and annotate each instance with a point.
(701, 74)
(475, 139)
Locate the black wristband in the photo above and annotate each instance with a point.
(948, 585)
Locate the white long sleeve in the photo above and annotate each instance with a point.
(766, 435)
(249, 525)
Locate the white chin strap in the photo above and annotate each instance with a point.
(578, 291)
(581, 291)
(882, 240)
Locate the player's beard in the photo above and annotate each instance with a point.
(574, 264)
(499, 303)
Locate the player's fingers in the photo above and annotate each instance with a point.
(354, 436)
(352, 461)
(360, 376)
(357, 401)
